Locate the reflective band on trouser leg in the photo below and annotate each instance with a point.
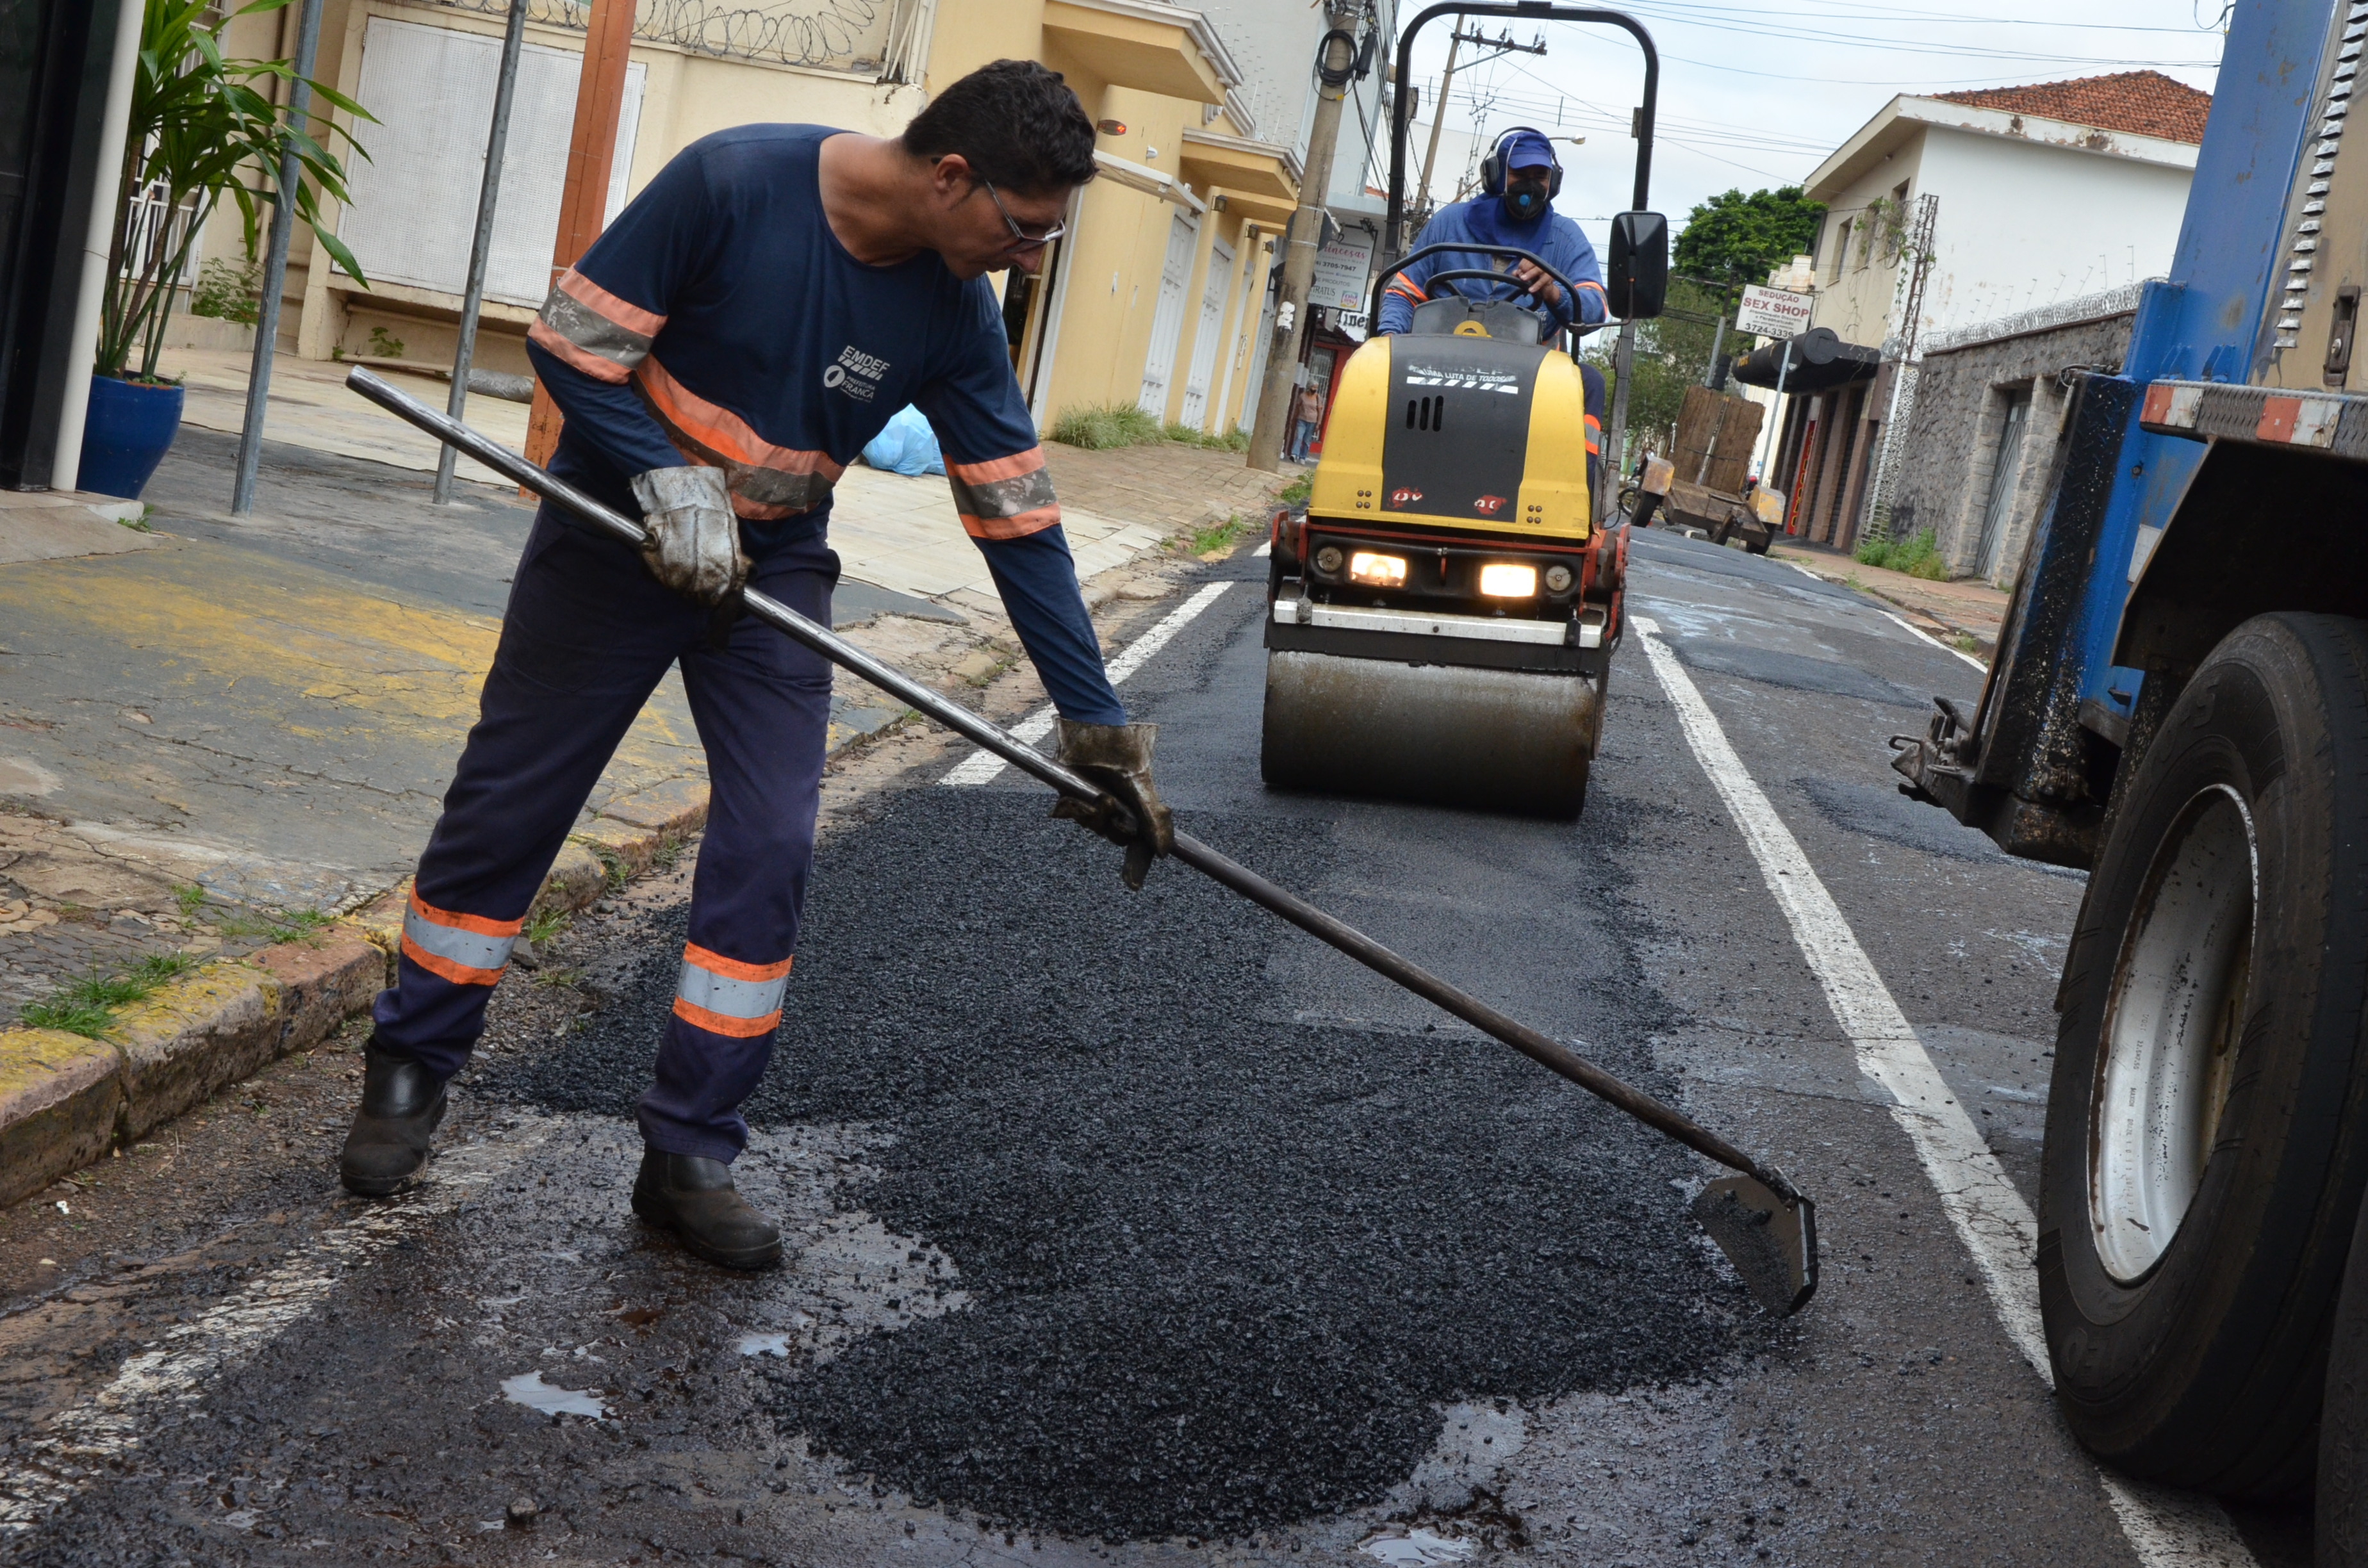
(726, 996)
(467, 950)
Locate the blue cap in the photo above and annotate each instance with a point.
(1527, 150)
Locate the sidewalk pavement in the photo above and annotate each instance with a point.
(1970, 609)
(216, 733)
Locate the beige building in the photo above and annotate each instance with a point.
(1158, 297)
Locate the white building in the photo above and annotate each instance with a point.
(2034, 195)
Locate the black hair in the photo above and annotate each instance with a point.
(1015, 122)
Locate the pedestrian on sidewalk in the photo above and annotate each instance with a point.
(1309, 407)
(721, 354)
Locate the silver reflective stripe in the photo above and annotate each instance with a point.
(469, 948)
(733, 998)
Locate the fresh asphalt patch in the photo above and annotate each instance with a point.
(1771, 667)
(1223, 1270)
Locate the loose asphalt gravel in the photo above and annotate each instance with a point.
(1225, 1268)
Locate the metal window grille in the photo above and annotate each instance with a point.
(156, 229)
(872, 39)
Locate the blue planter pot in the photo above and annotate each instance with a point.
(126, 435)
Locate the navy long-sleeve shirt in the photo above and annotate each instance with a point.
(719, 321)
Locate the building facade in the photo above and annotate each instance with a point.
(1962, 208)
(1990, 403)
(1158, 297)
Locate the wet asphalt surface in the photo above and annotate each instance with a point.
(1138, 1227)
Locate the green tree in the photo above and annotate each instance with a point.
(1735, 238)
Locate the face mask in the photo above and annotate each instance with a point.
(1525, 198)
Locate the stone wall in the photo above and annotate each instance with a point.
(1969, 382)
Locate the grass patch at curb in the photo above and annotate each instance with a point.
(87, 1007)
(1098, 426)
(1296, 493)
(1219, 535)
(1918, 557)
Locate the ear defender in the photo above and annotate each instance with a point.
(1493, 170)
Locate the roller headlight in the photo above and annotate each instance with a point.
(1377, 571)
(1329, 559)
(1558, 579)
(1503, 579)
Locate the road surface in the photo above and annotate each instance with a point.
(1140, 1229)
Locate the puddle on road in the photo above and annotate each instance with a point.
(1412, 1549)
(529, 1390)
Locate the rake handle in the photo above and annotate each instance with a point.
(1545, 1052)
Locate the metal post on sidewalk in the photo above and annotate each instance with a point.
(275, 265)
(480, 249)
(1615, 439)
(1775, 415)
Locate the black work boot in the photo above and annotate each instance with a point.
(400, 1106)
(695, 1200)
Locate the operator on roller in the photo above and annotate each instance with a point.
(721, 354)
(1518, 180)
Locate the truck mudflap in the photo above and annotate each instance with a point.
(2021, 766)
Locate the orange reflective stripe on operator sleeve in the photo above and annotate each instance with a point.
(467, 950)
(729, 997)
(1594, 436)
(1004, 497)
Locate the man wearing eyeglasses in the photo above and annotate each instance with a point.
(721, 354)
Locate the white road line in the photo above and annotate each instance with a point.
(981, 766)
(1262, 552)
(1990, 1216)
(85, 1441)
(1923, 636)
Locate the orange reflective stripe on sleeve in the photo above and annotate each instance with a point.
(467, 950)
(1004, 497)
(767, 480)
(729, 997)
(593, 330)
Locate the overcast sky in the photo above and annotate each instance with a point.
(1756, 95)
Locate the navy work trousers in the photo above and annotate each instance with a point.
(585, 639)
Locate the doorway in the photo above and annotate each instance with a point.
(2004, 468)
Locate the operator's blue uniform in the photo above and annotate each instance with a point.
(1550, 235)
(719, 322)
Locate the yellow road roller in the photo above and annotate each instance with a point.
(1442, 614)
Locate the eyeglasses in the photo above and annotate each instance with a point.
(1018, 233)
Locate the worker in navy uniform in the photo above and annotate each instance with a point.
(720, 353)
(1518, 180)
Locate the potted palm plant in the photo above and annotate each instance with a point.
(203, 126)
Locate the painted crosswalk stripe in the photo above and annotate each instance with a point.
(982, 766)
(2168, 1529)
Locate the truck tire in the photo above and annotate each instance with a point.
(2205, 1154)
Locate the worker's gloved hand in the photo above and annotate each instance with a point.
(1118, 758)
(694, 545)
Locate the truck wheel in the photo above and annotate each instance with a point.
(2205, 1157)
(1758, 543)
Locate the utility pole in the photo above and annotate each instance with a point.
(584, 195)
(275, 265)
(1503, 44)
(1336, 66)
(481, 249)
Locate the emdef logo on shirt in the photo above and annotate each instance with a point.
(855, 374)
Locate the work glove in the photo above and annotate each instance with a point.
(694, 545)
(1118, 758)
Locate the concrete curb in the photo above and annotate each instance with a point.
(1985, 648)
(66, 1100)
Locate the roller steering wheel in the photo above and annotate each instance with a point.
(1471, 247)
